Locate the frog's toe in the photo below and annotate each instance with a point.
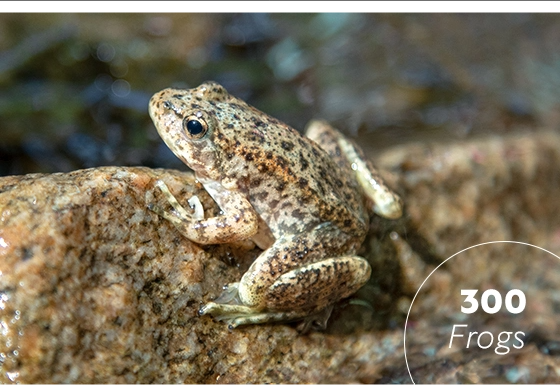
(237, 315)
(317, 321)
(230, 295)
(228, 304)
(179, 213)
(234, 315)
(257, 318)
(223, 311)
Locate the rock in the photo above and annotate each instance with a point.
(82, 277)
(457, 196)
(94, 287)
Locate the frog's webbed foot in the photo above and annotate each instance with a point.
(227, 307)
(230, 295)
(178, 214)
(236, 315)
(317, 321)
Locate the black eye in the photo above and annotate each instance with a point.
(196, 127)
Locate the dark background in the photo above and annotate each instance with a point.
(74, 88)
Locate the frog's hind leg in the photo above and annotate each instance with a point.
(299, 275)
(319, 284)
(348, 156)
(309, 291)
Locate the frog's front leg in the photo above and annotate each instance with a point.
(179, 210)
(239, 220)
(293, 279)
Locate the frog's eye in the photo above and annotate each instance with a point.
(195, 126)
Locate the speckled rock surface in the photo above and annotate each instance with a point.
(96, 288)
(458, 196)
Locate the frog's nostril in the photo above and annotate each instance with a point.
(167, 105)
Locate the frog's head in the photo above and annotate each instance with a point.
(186, 121)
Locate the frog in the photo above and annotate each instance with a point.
(304, 200)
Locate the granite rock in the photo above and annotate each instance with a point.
(94, 287)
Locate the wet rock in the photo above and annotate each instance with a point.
(96, 288)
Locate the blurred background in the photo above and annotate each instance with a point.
(74, 88)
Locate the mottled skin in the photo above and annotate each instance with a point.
(305, 206)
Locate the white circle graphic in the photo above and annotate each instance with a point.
(516, 305)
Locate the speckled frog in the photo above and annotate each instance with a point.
(304, 200)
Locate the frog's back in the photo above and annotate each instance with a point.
(290, 180)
